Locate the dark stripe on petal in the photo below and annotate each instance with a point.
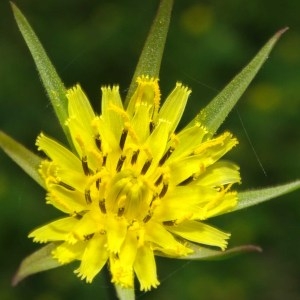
(123, 138)
(146, 166)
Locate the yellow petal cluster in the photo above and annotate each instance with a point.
(133, 187)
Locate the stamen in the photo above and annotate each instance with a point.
(153, 199)
(169, 223)
(123, 138)
(146, 166)
(164, 190)
(166, 156)
(102, 206)
(121, 211)
(85, 166)
(87, 195)
(147, 218)
(88, 236)
(186, 181)
(79, 215)
(98, 181)
(104, 161)
(66, 186)
(151, 126)
(159, 180)
(135, 156)
(120, 163)
(98, 142)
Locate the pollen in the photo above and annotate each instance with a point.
(133, 187)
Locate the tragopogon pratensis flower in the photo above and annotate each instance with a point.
(130, 185)
(133, 186)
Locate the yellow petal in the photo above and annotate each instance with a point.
(59, 154)
(147, 92)
(87, 226)
(80, 120)
(66, 253)
(141, 122)
(145, 268)
(116, 229)
(163, 240)
(66, 200)
(158, 139)
(183, 201)
(174, 105)
(111, 103)
(54, 231)
(222, 203)
(185, 168)
(220, 173)
(122, 265)
(214, 149)
(93, 259)
(80, 108)
(201, 233)
(187, 141)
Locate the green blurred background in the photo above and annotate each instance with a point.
(98, 42)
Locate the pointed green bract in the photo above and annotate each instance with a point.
(204, 253)
(52, 83)
(38, 261)
(250, 198)
(150, 58)
(27, 160)
(213, 115)
(124, 293)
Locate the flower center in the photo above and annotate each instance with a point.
(128, 195)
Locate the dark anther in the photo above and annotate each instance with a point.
(66, 186)
(186, 181)
(79, 215)
(147, 218)
(159, 180)
(85, 166)
(98, 183)
(98, 142)
(153, 199)
(123, 138)
(87, 195)
(134, 157)
(166, 156)
(88, 236)
(169, 223)
(121, 211)
(104, 161)
(151, 126)
(120, 163)
(163, 190)
(146, 166)
(102, 206)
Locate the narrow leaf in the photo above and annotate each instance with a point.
(150, 58)
(250, 198)
(201, 253)
(213, 115)
(39, 261)
(26, 159)
(124, 293)
(52, 83)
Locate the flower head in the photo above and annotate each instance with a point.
(133, 186)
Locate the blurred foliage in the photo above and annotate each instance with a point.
(98, 42)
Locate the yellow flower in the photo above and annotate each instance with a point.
(133, 187)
